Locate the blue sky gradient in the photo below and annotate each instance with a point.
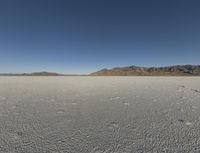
(82, 36)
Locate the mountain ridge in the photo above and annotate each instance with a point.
(42, 73)
(176, 70)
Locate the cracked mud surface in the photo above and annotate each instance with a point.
(99, 114)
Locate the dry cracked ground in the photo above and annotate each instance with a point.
(99, 114)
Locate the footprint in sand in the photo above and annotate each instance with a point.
(113, 125)
(185, 122)
(154, 100)
(183, 97)
(15, 136)
(125, 103)
(116, 92)
(2, 98)
(60, 111)
(52, 100)
(194, 90)
(14, 106)
(99, 152)
(180, 88)
(117, 97)
(188, 123)
(74, 103)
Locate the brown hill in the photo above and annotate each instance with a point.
(177, 70)
(44, 74)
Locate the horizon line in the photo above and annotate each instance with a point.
(61, 73)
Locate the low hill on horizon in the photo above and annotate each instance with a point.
(177, 70)
(43, 73)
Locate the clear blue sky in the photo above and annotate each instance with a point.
(81, 36)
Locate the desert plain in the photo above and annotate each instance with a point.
(87, 114)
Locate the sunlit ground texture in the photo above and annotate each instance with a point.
(99, 114)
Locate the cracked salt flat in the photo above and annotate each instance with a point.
(99, 114)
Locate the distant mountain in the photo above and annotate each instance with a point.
(44, 74)
(177, 70)
(31, 74)
(13, 74)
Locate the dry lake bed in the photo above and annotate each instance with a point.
(99, 114)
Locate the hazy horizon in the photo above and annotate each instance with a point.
(80, 37)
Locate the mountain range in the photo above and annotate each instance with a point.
(177, 70)
(32, 74)
(43, 73)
